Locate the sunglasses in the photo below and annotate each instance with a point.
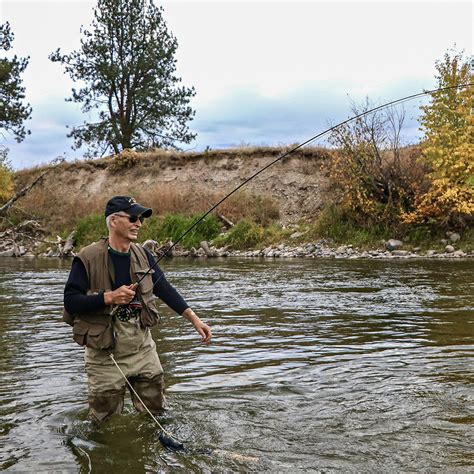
(131, 219)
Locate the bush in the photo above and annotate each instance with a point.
(124, 160)
(246, 234)
(90, 229)
(338, 225)
(6, 177)
(173, 226)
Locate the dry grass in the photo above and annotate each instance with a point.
(59, 210)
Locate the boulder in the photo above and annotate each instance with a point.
(449, 249)
(393, 244)
(7, 253)
(400, 253)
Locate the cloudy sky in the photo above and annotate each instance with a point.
(265, 73)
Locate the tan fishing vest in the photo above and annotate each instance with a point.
(96, 329)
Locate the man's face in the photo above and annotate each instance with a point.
(124, 228)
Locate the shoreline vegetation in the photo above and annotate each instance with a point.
(55, 220)
(366, 194)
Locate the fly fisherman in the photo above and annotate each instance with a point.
(103, 276)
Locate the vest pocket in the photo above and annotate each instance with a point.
(95, 336)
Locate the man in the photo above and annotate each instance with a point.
(109, 299)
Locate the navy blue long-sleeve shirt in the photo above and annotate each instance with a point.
(76, 299)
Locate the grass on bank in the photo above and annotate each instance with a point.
(332, 225)
(338, 226)
(161, 228)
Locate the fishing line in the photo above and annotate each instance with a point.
(289, 152)
(168, 439)
(165, 437)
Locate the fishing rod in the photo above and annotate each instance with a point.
(167, 438)
(289, 152)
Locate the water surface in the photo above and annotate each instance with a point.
(316, 365)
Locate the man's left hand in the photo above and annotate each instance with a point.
(202, 328)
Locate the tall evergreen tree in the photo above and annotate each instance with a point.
(13, 111)
(127, 72)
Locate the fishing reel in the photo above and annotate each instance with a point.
(128, 311)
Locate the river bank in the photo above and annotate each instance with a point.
(392, 249)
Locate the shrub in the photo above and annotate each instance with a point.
(173, 226)
(124, 160)
(6, 177)
(90, 229)
(245, 234)
(342, 227)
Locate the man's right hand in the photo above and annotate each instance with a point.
(120, 296)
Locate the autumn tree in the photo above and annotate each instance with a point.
(13, 110)
(448, 146)
(6, 177)
(127, 72)
(377, 176)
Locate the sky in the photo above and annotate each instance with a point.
(266, 73)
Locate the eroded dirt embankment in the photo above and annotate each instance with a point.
(298, 184)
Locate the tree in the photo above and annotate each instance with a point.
(379, 178)
(448, 146)
(127, 67)
(6, 177)
(13, 112)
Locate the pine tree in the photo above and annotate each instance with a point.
(127, 72)
(13, 112)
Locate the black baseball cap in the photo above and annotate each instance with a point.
(126, 204)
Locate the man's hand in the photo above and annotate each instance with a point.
(120, 296)
(203, 329)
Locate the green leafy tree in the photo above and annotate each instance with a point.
(448, 146)
(13, 111)
(128, 73)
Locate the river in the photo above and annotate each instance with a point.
(316, 365)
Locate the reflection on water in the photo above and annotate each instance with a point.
(316, 365)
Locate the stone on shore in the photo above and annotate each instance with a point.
(393, 244)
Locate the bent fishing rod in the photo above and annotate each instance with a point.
(287, 153)
(165, 437)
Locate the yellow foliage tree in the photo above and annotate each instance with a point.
(379, 178)
(6, 178)
(448, 147)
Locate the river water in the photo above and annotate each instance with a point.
(316, 365)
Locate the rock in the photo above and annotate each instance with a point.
(295, 235)
(150, 245)
(459, 253)
(431, 253)
(68, 246)
(207, 251)
(200, 252)
(393, 244)
(416, 249)
(449, 249)
(444, 241)
(454, 237)
(400, 253)
(7, 253)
